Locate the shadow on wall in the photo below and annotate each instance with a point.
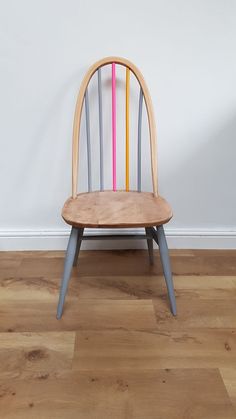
(201, 188)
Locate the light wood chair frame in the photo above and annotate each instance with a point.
(155, 233)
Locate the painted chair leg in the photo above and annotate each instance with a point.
(78, 245)
(150, 245)
(165, 261)
(70, 254)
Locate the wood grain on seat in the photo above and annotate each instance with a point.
(116, 209)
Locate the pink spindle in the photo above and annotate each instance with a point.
(114, 125)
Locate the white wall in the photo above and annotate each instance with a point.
(186, 51)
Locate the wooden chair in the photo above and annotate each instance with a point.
(115, 208)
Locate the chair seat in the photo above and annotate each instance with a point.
(109, 209)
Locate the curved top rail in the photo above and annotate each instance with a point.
(78, 112)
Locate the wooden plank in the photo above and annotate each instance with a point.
(153, 286)
(21, 254)
(36, 288)
(46, 287)
(159, 394)
(229, 378)
(9, 268)
(41, 281)
(135, 262)
(25, 354)
(139, 350)
(121, 287)
(37, 278)
(38, 266)
(35, 316)
(195, 312)
(208, 283)
(118, 263)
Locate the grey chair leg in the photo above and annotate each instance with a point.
(165, 261)
(150, 245)
(78, 245)
(70, 254)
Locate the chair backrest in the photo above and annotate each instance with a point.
(83, 100)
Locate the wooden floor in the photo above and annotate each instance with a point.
(117, 352)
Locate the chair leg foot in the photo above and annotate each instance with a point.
(70, 255)
(150, 246)
(78, 245)
(165, 261)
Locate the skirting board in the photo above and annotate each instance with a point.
(57, 239)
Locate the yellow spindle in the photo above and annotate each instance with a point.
(127, 128)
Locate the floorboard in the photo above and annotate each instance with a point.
(118, 352)
(172, 394)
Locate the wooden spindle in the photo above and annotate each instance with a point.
(88, 139)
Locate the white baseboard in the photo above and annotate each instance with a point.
(178, 238)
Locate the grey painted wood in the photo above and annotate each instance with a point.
(139, 165)
(153, 233)
(70, 255)
(165, 261)
(100, 129)
(88, 139)
(73, 248)
(149, 244)
(78, 245)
